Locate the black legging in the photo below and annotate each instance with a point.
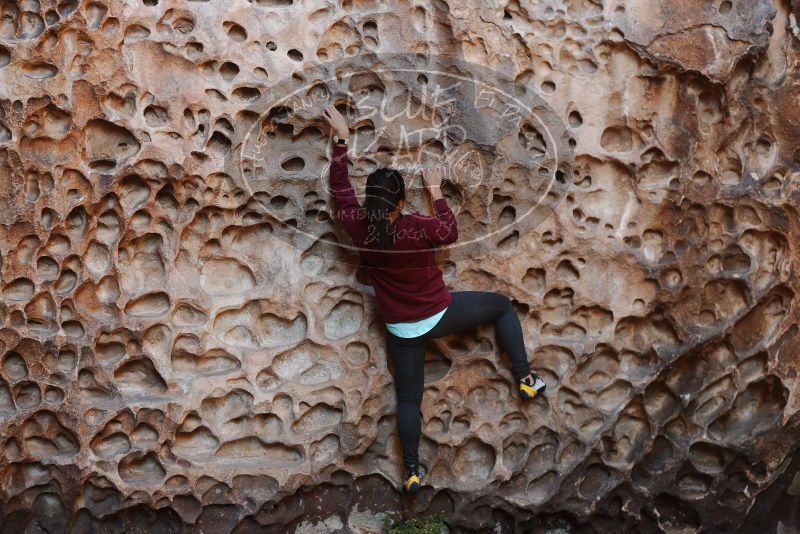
(467, 310)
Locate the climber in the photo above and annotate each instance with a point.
(396, 251)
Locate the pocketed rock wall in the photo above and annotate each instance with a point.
(174, 358)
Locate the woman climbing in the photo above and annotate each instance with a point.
(396, 250)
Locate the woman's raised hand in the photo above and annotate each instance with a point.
(336, 121)
(432, 177)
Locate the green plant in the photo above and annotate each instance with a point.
(431, 524)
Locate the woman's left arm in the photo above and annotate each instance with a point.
(347, 208)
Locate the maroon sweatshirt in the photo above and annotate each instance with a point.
(407, 281)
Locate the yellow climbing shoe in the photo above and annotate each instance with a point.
(413, 482)
(530, 386)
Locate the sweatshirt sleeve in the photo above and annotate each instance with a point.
(441, 229)
(346, 206)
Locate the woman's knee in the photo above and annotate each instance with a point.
(504, 302)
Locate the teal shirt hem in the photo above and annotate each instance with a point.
(415, 328)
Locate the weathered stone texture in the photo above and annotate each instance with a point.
(170, 360)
